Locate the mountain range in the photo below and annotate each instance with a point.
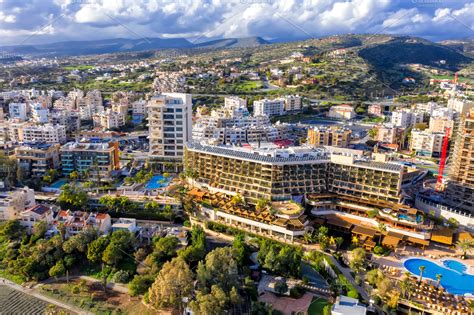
(105, 46)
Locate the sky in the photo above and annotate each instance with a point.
(25, 22)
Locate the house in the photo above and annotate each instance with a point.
(125, 224)
(78, 221)
(35, 214)
(348, 306)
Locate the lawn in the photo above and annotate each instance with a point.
(79, 67)
(317, 306)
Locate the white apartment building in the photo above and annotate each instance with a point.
(38, 213)
(109, 119)
(462, 106)
(426, 143)
(47, 133)
(39, 114)
(404, 118)
(90, 104)
(292, 103)
(268, 107)
(139, 107)
(234, 107)
(342, 112)
(169, 122)
(12, 203)
(18, 111)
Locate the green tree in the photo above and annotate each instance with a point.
(465, 246)
(220, 268)
(213, 302)
(74, 176)
(422, 269)
(72, 197)
(240, 248)
(140, 284)
(12, 230)
(438, 279)
(173, 283)
(57, 270)
(357, 259)
(96, 249)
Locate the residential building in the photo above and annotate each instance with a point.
(77, 221)
(267, 107)
(237, 106)
(342, 112)
(375, 110)
(47, 133)
(12, 203)
(331, 136)
(388, 134)
(109, 119)
(39, 114)
(127, 224)
(139, 107)
(426, 143)
(98, 160)
(462, 106)
(460, 189)
(18, 111)
(292, 103)
(348, 306)
(404, 118)
(38, 213)
(169, 122)
(37, 159)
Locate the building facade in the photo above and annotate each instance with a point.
(332, 136)
(342, 112)
(37, 159)
(267, 107)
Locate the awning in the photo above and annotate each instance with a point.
(443, 236)
(364, 231)
(196, 193)
(369, 243)
(396, 235)
(390, 241)
(418, 241)
(465, 236)
(337, 221)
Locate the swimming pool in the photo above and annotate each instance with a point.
(58, 184)
(158, 181)
(454, 280)
(419, 218)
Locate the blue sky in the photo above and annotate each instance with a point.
(42, 21)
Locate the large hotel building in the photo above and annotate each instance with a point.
(278, 174)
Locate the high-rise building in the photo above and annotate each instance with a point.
(170, 125)
(332, 136)
(460, 189)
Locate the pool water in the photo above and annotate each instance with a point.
(158, 181)
(58, 184)
(454, 280)
(419, 218)
(455, 265)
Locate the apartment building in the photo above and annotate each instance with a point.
(388, 134)
(39, 114)
(236, 106)
(47, 133)
(267, 107)
(292, 103)
(37, 159)
(12, 203)
(404, 118)
(18, 111)
(375, 110)
(139, 107)
(426, 143)
(98, 160)
(342, 112)
(169, 122)
(460, 189)
(331, 136)
(109, 119)
(278, 174)
(462, 106)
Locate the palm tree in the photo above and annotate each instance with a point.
(465, 246)
(355, 240)
(422, 269)
(438, 277)
(382, 229)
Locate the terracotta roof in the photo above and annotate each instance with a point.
(418, 241)
(444, 236)
(338, 221)
(101, 216)
(390, 241)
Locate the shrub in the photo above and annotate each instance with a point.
(327, 309)
(121, 276)
(76, 289)
(187, 223)
(353, 294)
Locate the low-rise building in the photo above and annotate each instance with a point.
(109, 119)
(342, 112)
(18, 111)
(375, 110)
(404, 118)
(348, 306)
(37, 159)
(38, 213)
(12, 203)
(127, 224)
(292, 103)
(388, 134)
(77, 221)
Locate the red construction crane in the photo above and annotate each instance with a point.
(455, 81)
(442, 160)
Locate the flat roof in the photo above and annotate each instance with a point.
(338, 221)
(443, 235)
(390, 240)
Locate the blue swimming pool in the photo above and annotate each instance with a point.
(58, 184)
(419, 218)
(454, 281)
(158, 181)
